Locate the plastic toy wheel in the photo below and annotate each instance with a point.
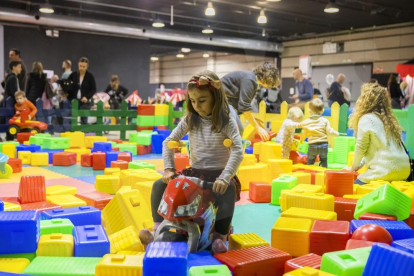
(8, 173)
(35, 130)
(13, 130)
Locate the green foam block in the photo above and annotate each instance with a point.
(62, 266)
(56, 143)
(140, 165)
(64, 226)
(286, 182)
(29, 256)
(210, 270)
(346, 263)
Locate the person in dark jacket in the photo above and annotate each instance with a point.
(36, 83)
(116, 92)
(12, 82)
(85, 87)
(14, 55)
(336, 91)
(395, 91)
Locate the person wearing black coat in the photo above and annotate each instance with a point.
(116, 92)
(395, 91)
(84, 87)
(12, 82)
(36, 83)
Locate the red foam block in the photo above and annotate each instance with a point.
(32, 189)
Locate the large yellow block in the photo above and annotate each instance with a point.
(256, 172)
(79, 152)
(256, 148)
(26, 143)
(125, 209)
(131, 176)
(120, 265)
(249, 133)
(303, 177)
(311, 214)
(402, 185)
(9, 150)
(126, 240)
(309, 167)
(76, 139)
(291, 235)
(307, 271)
(26, 157)
(270, 150)
(13, 265)
(320, 179)
(89, 140)
(61, 190)
(410, 193)
(242, 241)
(357, 196)
(66, 201)
(161, 110)
(109, 184)
(125, 252)
(55, 245)
(308, 188)
(145, 188)
(112, 171)
(278, 167)
(248, 160)
(367, 188)
(301, 199)
(11, 206)
(40, 159)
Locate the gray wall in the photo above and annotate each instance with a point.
(127, 58)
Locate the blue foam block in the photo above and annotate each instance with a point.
(111, 156)
(185, 137)
(404, 245)
(31, 148)
(161, 257)
(19, 232)
(399, 230)
(385, 260)
(1, 205)
(90, 241)
(164, 133)
(249, 150)
(201, 259)
(50, 152)
(156, 143)
(79, 216)
(102, 146)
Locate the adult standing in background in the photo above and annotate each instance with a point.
(85, 87)
(337, 95)
(12, 82)
(240, 88)
(394, 90)
(116, 92)
(67, 67)
(36, 83)
(14, 55)
(305, 90)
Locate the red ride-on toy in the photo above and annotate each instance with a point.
(25, 125)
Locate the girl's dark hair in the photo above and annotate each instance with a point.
(220, 112)
(392, 79)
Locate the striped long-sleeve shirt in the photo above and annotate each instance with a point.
(207, 151)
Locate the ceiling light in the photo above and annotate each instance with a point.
(46, 8)
(207, 30)
(158, 23)
(154, 58)
(210, 10)
(185, 50)
(273, 0)
(180, 55)
(262, 19)
(205, 55)
(331, 7)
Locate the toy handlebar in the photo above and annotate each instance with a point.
(176, 144)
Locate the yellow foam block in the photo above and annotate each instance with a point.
(131, 176)
(124, 188)
(124, 252)
(278, 167)
(40, 159)
(307, 271)
(270, 150)
(248, 160)
(89, 140)
(145, 188)
(125, 209)
(13, 265)
(410, 193)
(256, 148)
(355, 189)
(126, 240)
(367, 188)
(65, 201)
(242, 241)
(309, 167)
(61, 190)
(111, 171)
(309, 188)
(303, 177)
(11, 206)
(76, 139)
(249, 132)
(26, 157)
(109, 184)
(9, 150)
(256, 172)
(357, 196)
(291, 235)
(350, 158)
(379, 182)
(120, 265)
(79, 152)
(26, 143)
(161, 110)
(55, 245)
(402, 185)
(320, 179)
(311, 214)
(301, 199)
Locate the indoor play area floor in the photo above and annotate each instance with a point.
(249, 217)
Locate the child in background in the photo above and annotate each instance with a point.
(22, 103)
(317, 129)
(208, 123)
(287, 130)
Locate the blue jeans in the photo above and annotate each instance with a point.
(359, 182)
(236, 117)
(320, 149)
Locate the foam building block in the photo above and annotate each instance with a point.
(102, 146)
(50, 154)
(56, 143)
(110, 156)
(15, 265)
(28, 256)
(399, 230)
(368, 188)
(31, 148)
(270, 150)
(125, 156)
(276, 167)
(39, 206)
(328, 236)
(11, 206)
(87, 160)
(248, 159)
(145, 188)
(256, 172)
(90, 140)
(79, 153)
(308, 188)
(261, 261)
(310, 260)
(55, 245)
(90, 241)
(406, 245)
(109, 184)
(386, 260)
(95, 199)
(128, 147)
(125, 209)
(304, 271)
(63, 266)
(346, 263)
(160, 257)
(156, 143)
(282, 183)
(210, 270)
(302, 199)
(76, 139)
(19, 232)
(311, 214)
(1, 205)
(23, 137)
(140, 165)
(119, 265)
(342, 146)
(131, 176)
(32, 188)
(353, 244)
(385, 200)
(339, 183)
(25, 156)
(372, 216)
(64, 159)
(121, 164)
(83, 215)
(40, 159)
(63, 226)
(345, 208)
(291, 235)
(203, 258)
(260, 192)
(242, 241)
(126, 240)
(99, 161)
(303, 177)
(112, 171)
(15, 164)
(61, 190)
(66, 201)
(9, 150)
